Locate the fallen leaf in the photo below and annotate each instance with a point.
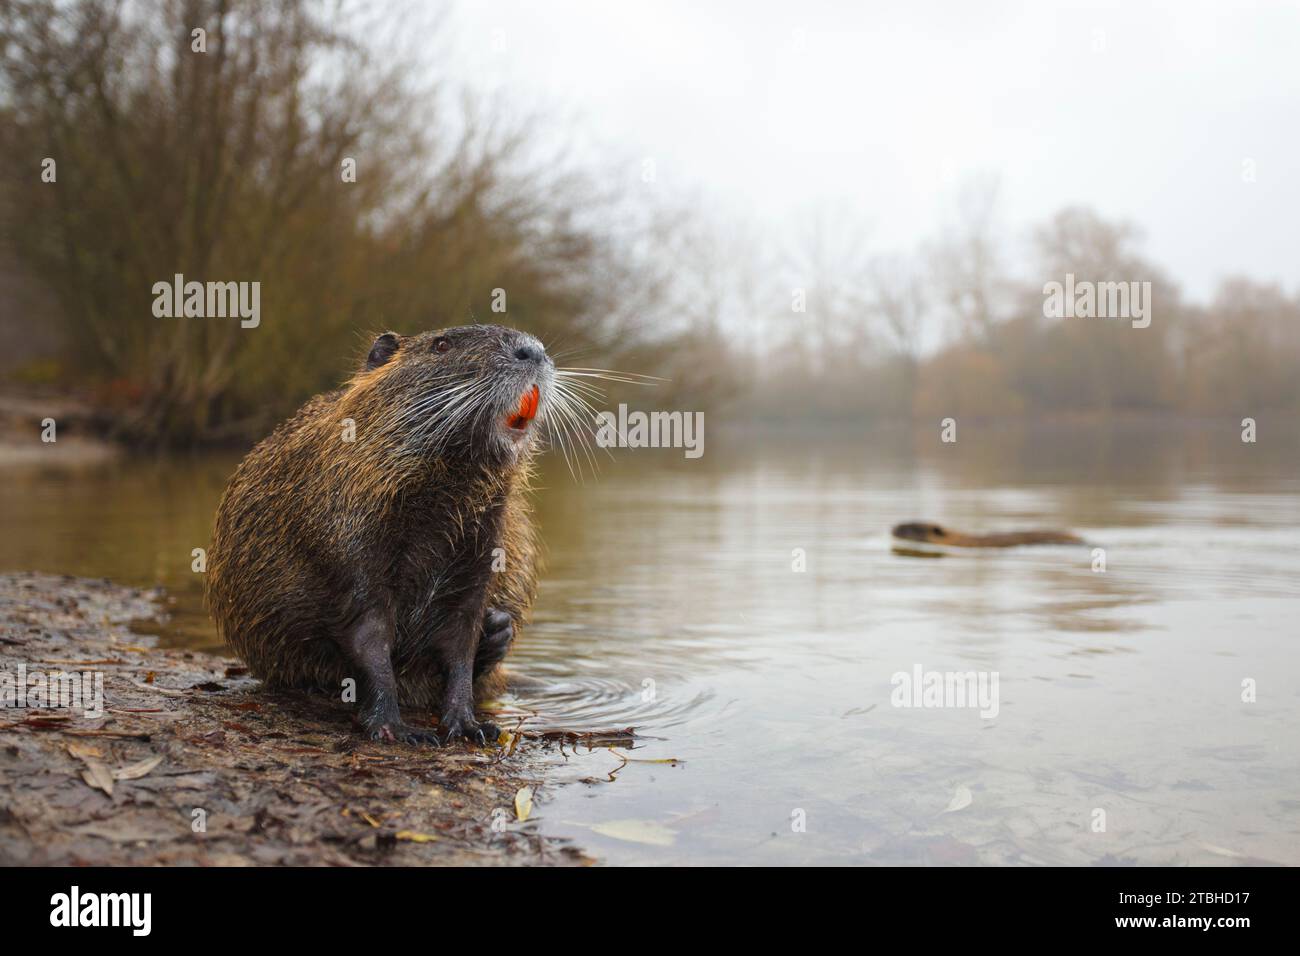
(415, 837)
(1222, 851)
(137, 770)
(98, 775)
(636, 831)
(512, 744)
(707, 815)
(960, 800)
(523, 803)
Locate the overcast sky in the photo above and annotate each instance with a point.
(1147, 112)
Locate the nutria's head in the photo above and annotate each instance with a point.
(920, 531)
(475, 392)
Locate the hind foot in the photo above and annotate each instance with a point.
(484, 733)
(381, 720)
(395, 731)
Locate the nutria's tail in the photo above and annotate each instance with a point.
(924, 532)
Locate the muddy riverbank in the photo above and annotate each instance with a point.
(187, 760)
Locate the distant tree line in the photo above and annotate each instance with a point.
(860, 349)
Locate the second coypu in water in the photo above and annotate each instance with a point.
(383, 532)
(924, 532)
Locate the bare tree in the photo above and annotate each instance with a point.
(827, 260)
(965, 264)
(897, 301)
(208, 138)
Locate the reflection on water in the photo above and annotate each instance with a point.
(670, 605)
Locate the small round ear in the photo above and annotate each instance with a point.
(385, 347)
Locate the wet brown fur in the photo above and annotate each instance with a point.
(312, 533)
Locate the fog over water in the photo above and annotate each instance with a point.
(1169, 115)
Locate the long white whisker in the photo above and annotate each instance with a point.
(586, 388)
(571, 439)
(553, 428)
(565, 405)
(578, 370)
(607, 378)
(572, 399)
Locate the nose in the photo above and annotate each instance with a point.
(531, 352)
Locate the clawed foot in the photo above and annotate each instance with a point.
(484, 734)
(395, 731)
(381, 720)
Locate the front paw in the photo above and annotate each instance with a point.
(494, 642)
(453, 727)
(395, 731)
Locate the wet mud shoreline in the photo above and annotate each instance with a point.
(191, 762)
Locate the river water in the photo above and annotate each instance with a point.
(744, 612)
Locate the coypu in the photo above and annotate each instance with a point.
(405, 557)
(923, 532)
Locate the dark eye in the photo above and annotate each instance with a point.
(442, 344)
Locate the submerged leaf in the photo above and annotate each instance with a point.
(1222, 851)
(523, 803)
(960, 800)
(649, 832)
